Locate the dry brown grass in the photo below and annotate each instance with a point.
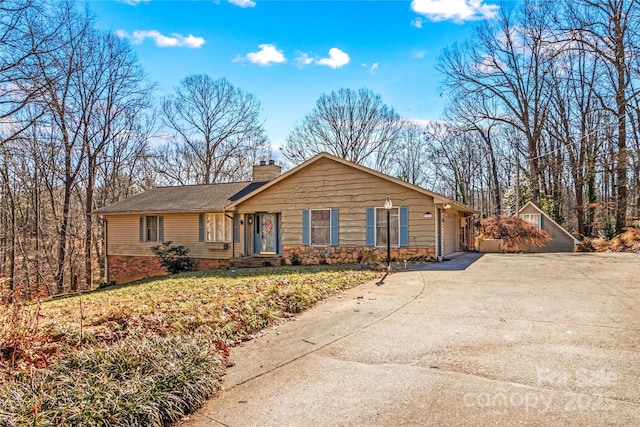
(628, 241)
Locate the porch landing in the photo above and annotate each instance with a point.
(257, 261)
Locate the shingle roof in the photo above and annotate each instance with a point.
(189, 198)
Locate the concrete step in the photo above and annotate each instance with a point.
(257, 261)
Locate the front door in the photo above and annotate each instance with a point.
(265, 237)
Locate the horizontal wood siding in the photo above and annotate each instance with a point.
(180, 229)
(327, 184)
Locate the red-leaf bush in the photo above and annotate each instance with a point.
(517, 234)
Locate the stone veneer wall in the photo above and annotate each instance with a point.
(123, 269)
(313, 255)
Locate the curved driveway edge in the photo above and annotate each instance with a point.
(538, 339)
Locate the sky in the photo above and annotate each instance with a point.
(288, 53)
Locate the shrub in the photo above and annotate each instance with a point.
(368, 256)
(173, 259)
(294, 259)
(516, 233)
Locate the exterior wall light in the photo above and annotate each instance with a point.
(388, 205)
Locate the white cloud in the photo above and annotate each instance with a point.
(133, 2)
(418, 54)
(455, 10)
(336, 59)
(243, 3)
(267, 54)
(303, 59)
(417, 22)
(371, 68)
(173, 40)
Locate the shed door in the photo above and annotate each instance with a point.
(450, 232)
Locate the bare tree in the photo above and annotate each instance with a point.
(61, 101)
(24, 37)
(507, 62)
(217, 127)
(112, 93)
(355, 125)
(610, 29)
(409, 158)
(477, 115)
(93, 94)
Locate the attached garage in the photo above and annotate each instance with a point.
(450, 233)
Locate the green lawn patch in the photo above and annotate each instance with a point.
(150, 352)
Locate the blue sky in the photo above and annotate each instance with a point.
(288, 53)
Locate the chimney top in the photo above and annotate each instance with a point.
(266, 172)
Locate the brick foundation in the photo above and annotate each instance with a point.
(124, 269)
(314, 255)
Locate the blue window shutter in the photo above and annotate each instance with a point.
(160, 229)
(236, 228)
(334, 227)
(404, 226)
(306, 235)
(541, 222)
(201, 228)
(371, 227)
(142, 229)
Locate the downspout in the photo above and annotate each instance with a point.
(106, 250)
(233, 235)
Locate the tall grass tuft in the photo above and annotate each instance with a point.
(138, 381)
(18, 329)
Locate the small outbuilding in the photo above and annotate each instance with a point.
(561, 239)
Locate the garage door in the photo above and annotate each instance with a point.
(450, 233)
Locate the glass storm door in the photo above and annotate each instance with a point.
(266, 234)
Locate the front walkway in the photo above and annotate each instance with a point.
(538, 339)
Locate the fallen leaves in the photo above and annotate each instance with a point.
(221, 306)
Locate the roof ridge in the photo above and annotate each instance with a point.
(201, 185)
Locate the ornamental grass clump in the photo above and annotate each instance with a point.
(517, 234)
(138, 381)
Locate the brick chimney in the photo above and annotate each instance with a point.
(266, 172)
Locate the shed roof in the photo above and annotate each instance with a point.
(187, 198)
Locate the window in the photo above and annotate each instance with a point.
(381, 226)
(218, 228)
(152, 228)
(320, 227)
(533, 219)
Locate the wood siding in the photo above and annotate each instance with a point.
(560, 241)
(179, 229)
(326, 184)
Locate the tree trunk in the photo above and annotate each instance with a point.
(88, 236)
(62, 242)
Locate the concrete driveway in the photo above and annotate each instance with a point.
(537, 339)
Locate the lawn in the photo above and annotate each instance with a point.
(145, 353)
